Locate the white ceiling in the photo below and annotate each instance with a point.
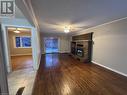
(18, 13)
(53, 15)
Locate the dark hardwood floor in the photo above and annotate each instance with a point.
(60, 74)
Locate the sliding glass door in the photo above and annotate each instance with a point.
(51, 44)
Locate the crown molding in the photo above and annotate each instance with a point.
(30, 10)
(85, 30)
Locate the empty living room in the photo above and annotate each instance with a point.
(63, 47)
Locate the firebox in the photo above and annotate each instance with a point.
(80, 50)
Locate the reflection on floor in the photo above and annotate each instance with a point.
(21, 62)
(21, 78)
(60, 74)
(51, 50)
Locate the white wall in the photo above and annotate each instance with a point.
(17, 22)
(36, 48)
(64, 42)
(110, 45)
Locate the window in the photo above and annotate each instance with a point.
(23, 42)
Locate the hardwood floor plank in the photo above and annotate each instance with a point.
(21, 62)
(60, 74)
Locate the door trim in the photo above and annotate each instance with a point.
(3, 70)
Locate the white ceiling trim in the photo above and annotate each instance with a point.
(31, 12)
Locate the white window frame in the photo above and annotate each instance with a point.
(14, 40)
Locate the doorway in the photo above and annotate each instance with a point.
(21, 59)
(20, 48)
(51, 44)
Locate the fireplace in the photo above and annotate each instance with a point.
(80, 50)
(81, 47)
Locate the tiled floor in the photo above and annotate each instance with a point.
(21, 78)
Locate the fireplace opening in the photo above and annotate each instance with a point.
(80, 52)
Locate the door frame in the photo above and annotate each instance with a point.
(9, 53)
(3, 71)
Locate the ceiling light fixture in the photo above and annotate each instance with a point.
(66, 29)
(17, 31)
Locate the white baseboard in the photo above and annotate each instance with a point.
(110, 69)
(60, 52)
(64, 51)
(20, 54)
(43, 53)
